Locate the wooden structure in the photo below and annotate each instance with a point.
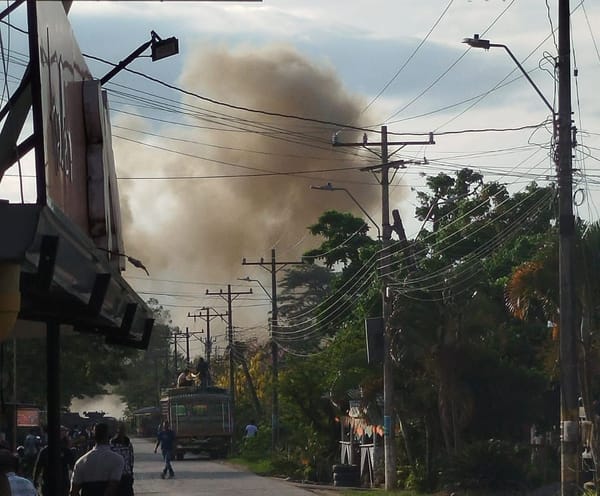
(361, 440)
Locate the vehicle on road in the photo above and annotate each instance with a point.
(201, 419)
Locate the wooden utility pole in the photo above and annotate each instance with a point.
(229, 297)
(569, 386)
(207, 318)
(273, 268)
(389, 443)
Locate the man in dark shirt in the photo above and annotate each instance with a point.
(67, 461)
(166, 441)
(203, 373)
(121, 444)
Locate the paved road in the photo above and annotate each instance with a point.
(200, 476)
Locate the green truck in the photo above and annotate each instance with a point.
(201, 419)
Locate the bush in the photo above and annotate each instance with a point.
(490, 465)
(305, 455)
(257, 447)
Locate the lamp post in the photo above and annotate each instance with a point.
(330, 187)
(274, 349)
(569, 386)
(160, 49)
(477, 42)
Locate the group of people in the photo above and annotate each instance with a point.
(106, 469)
(199, 378)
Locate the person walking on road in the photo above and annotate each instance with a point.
(166, 441)
(99, 471)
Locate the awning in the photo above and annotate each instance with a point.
(65, 279)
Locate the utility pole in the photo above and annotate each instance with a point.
(230, 296)
(389, 444)
(569, 387)
(174, 336)
(273, 268)
(207, 318)
(187, 344)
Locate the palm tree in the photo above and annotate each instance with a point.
(533, 288)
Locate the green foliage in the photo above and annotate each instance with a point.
(88, 367)
(257, 447)
(307, 455)
(345, 236)
(413, 477)
(150, 370)
(465, 369)
(487, 465)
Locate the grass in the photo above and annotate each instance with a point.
(265, 467)
(378, 492)
(260, 467)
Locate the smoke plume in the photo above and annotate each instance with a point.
(201, 229)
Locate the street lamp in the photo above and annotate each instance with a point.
(160, 49)
(330, 187)
(569, 386)
(477, 42)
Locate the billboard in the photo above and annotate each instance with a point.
(28, 417)
(75, 164)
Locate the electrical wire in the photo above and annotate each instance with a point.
(410, 57)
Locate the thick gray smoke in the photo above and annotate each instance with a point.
(201, 228)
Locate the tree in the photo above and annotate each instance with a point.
(317, 297)
(533, 292)
(449, 306)
(88, 367)
(150, 370)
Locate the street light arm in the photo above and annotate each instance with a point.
(362, 210)
(125, 62)
(550, 107)
(477, 42)
(161, 48)
(247, 279)
(330, 187)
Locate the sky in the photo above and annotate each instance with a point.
(184, 141)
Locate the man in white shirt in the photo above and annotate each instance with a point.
(99, 471)
(19, 486)
(251, 429)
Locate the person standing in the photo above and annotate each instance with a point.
(19, 486)
(251, 429)
(67, 460)
(184, 379)
(203, 373)
(99, 471)
(166, 441)
(121, 444)
(32, 446)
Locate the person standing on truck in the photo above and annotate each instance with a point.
(184, 379)
(166, 441)
(203, 373)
